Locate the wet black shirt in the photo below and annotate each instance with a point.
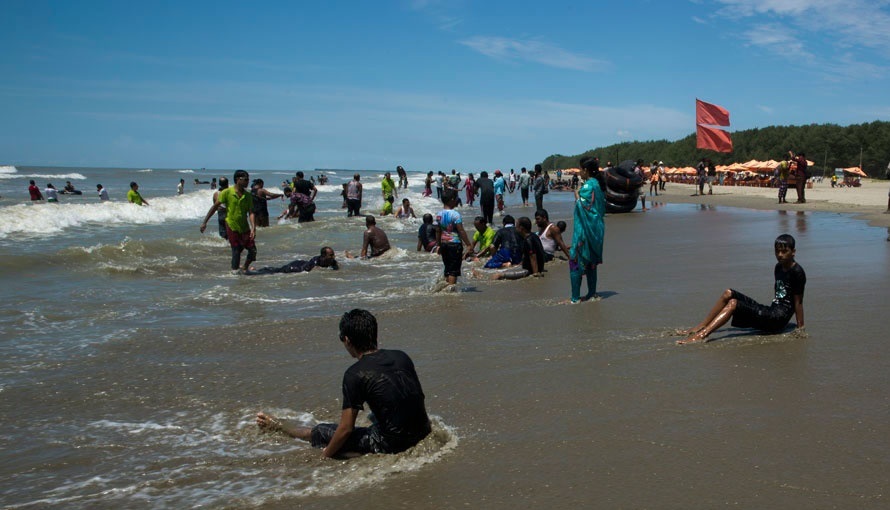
(532, 247)
(789, 283)
(485, 188)
(386, 380)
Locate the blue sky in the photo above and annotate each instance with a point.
(426, 84)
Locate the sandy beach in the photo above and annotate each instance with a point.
(143, 395)
(868, 202)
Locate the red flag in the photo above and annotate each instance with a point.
(713, 138)
(707, 113)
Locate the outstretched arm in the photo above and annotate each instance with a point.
(211, 212)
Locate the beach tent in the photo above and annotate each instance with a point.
(855, 170)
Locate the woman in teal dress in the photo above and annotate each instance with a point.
(587, 232)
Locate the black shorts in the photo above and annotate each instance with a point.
(362, 440)
(452, 256)
(751, 314)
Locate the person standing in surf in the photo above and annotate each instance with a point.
(588, 231)
(386, 380)
(240, 219)
(34, 191)
(133, 195)
(451, 237)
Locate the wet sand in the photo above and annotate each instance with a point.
(594, 405)
(549, 405)
(868, 202)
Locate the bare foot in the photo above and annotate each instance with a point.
(267, 423)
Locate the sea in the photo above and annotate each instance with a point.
(133, 362)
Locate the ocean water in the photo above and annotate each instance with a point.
(133, 361)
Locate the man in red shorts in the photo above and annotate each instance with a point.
(241, 232)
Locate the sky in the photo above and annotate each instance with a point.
(426, 84)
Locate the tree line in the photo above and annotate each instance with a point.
(830, 146)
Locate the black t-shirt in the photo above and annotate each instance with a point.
(386, 380)
(508, 238)
(485, 187)
(427, 234)
(303, 186)
(788, 284)
(532, 247)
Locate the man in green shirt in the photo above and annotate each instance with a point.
(239, 209)
(483, 237)
(133, 195)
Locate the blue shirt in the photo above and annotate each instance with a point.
(446, 221)
(499, 185)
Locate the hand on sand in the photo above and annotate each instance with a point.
(697, 337)
(800, 333)
(267, 423)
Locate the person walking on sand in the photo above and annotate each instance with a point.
(384, 379)
(240, 219)
(782, 176)
(588, 232)
(747, 313)
(801, 175)
(133, 195)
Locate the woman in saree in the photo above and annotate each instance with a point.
(470, 188)
(588, 231)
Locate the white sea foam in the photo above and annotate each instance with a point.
(11, 172)
(218, 458)
(49, 219)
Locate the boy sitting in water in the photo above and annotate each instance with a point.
(383, 378)
(747, 313)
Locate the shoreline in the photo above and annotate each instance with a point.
(868, 202)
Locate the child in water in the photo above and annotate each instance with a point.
(747, 313)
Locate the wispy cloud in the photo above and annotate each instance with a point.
(540, 52)
(765, 109)
(834, 36)
(440, 12)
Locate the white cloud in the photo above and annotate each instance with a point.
(834, 36)
(540, 52)
(765, 109)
